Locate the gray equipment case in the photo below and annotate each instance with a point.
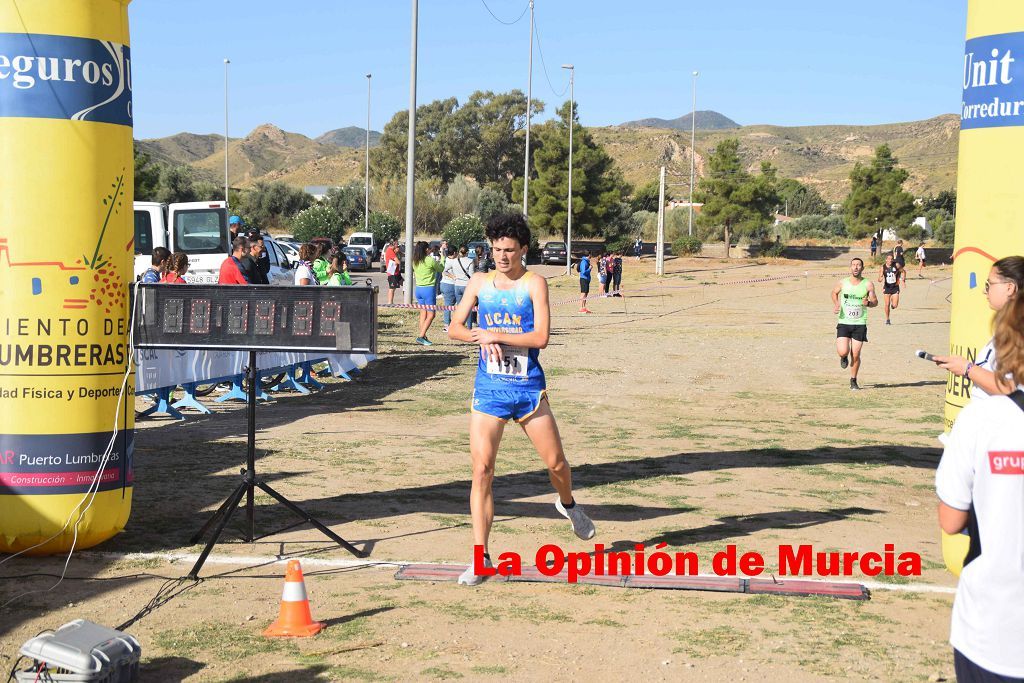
(82, 651)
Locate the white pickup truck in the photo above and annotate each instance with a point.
(200, 229)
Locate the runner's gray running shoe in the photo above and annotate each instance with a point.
(844, 362)
(581, 524)
(468, 578)
(854, 386)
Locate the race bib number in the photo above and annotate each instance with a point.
(853, 310)
(511, 364)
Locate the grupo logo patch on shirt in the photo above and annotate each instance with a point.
(1006, 462)
(64, 77)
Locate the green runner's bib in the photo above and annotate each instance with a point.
(852, 310)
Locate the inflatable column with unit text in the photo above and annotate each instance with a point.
(990, 188)
(66, 246)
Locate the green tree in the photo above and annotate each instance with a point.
(384, 226)
(797, 199)
(147, 177)
(464, 229)
(437, 143)
(319, 220)
(943, 225)
(492, 202)
(877, 199)
(462, 195)
(735, 202)
(176, 185)
(348, 202)
(597, 184)
(945, 200)
(207, 191)
(272, 204)
(646, 197)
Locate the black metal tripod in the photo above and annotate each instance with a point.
(246, 487)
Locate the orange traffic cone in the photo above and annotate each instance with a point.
(295, 619)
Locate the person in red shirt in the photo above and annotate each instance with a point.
(231, 270)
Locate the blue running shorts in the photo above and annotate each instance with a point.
(508, 405)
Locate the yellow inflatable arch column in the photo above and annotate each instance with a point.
(990, 191)
(65, 263)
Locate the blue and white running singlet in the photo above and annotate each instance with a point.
(509, 311)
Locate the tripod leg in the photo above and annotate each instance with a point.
(211, 521)
(231, 503)
(306, 516)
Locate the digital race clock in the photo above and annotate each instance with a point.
(256, 317)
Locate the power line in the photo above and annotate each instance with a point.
(545, 66)
(500, 20)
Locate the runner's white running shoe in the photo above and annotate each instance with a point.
(581, 524)
(469, 578)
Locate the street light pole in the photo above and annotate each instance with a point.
(572, 122)
(410, 164)
(366, 204)
(529, 105)
(226, 62)
(693, 149)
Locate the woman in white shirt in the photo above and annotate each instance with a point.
(1005, 280)
(980, 485)
(304, 274)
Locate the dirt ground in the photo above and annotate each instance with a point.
(698, 411)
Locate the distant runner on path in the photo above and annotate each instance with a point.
(891, 276)
(851, 298)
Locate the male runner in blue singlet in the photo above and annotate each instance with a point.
(514, 324)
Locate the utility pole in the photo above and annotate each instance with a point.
(659, 265)
(572, 124)
(226, 201)
(410, 164)
(529, 106)
(366, 204)
(693, 146)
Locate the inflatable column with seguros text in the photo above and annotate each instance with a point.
(990, 194)
(66, 247)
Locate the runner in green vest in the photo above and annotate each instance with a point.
(851, 298)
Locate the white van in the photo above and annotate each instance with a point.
(200, 229)
(367, 241)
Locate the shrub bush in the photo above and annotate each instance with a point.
(384, 227)
(464, 229)
(318, 220)
(687, 245)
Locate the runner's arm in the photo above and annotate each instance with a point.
(538, 338)
(872, 299)
(835, 297)
(951, 520)
(457, 330)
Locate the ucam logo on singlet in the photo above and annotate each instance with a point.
(1006, 462)
(63, 77)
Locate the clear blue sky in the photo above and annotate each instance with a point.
(301, 64)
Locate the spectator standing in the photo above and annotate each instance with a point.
(426, 271)
(638, 247)
(231, 271)
(585, 270)
(602, 271)
(980, 486)
(874, 245)
(616, 272)
(177, 266)
(158, 264)
(393, 268)
(464, 268)
(920, 256)
(320, 262)
(235, 226)
(448, 286)
(337, 272)
(304, 274)
(256, 266)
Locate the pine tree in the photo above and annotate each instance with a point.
(877, 200)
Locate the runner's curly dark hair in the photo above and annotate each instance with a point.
(511, 225)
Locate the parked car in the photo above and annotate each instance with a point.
(357, 258)
(367, 241)
(280, 263)
(290, 249)
(553, 252)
